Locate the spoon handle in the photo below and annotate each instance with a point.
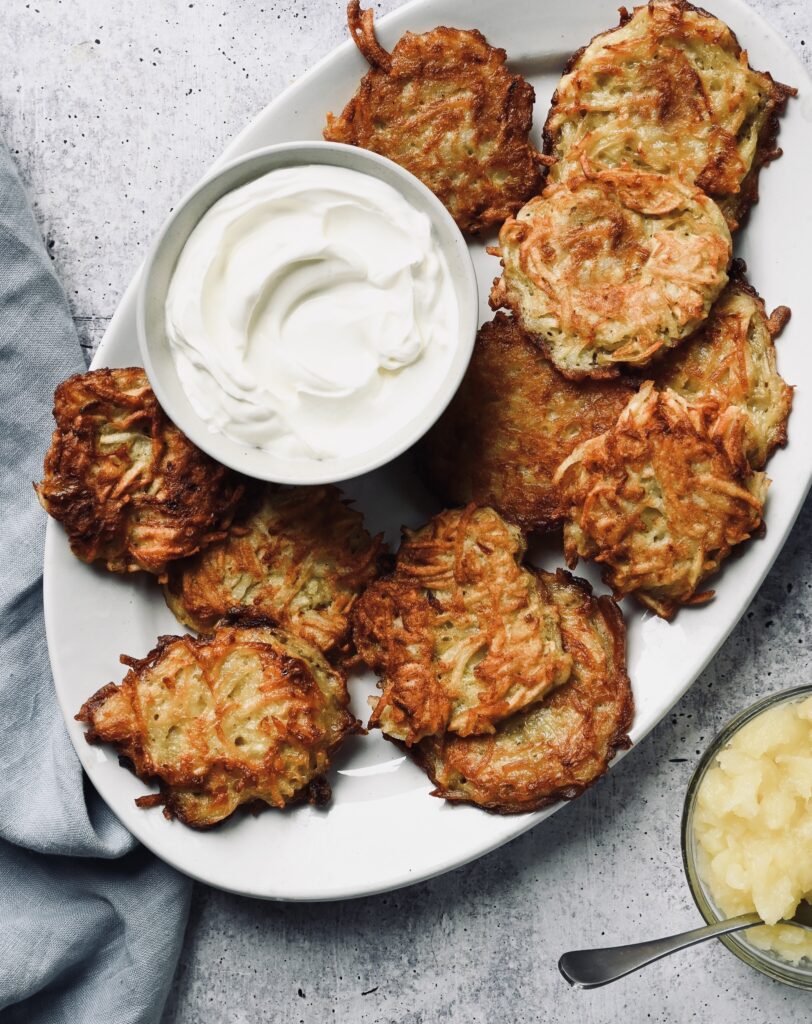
(590, 968)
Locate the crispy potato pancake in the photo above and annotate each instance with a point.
(460, 632)
(512, 421)
(669, 91)
(606, 270)
(558, 748)
(444, 106)
(249, 716)
(131, 490)
(658, 502)
(299, 556)
(732, 362)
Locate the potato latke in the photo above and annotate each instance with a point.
(558, 748)
(607, 269)
(131, 490)
(299, 556)
(731, 361)
(657, 502)
(444, 106)
(669, 91)
(460, 632)
(249, 716)
(512, 421)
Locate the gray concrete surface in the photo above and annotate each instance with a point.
(113, 108)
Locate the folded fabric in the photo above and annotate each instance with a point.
(90, 924)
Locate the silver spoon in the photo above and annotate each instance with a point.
(591, 968)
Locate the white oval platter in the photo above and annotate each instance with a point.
(383, 829)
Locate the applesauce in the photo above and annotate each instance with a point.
(752, 824)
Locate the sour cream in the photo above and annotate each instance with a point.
(312, 313)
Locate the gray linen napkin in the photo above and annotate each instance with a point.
(90, 924)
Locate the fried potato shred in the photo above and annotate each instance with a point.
(512, 421)
(460, 632)
(249, 716)
(731, 361)
(558, 748)
(444, 106)
(607, 269)
(299, 556)
(658, 503)
(131, 490)
(670, 91)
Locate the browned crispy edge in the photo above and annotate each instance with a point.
(777, 320)
(362, 29)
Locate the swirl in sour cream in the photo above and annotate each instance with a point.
(312, 313)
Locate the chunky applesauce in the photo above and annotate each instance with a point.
(753, 826)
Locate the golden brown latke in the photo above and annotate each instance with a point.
(657, 502)
(444, 106)
(460, 632)
(557, 749)
(512, 421)
(731, 361)
(248, 716)
(609, 268)
(131, 490)
(670, 91)
(299, 556)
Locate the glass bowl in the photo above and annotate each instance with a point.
(775, 967)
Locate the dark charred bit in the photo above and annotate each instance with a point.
(319, 792)
(246, 618)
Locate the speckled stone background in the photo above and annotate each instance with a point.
(113, 109)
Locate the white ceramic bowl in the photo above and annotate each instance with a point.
(163, 257)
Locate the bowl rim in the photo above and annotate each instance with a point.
(761, 960)
(247, 459)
